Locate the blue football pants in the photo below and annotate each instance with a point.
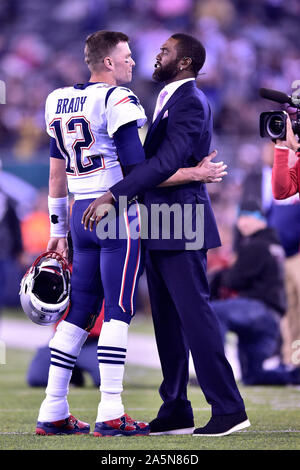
(106, 269)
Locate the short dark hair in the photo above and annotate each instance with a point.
(99, 44)
(188, 46)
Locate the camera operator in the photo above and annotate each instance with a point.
(286, 183)
(286, 180)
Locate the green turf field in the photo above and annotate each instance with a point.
(274, 413)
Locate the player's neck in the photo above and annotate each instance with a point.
(103, 78)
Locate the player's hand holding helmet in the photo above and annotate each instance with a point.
(45, 289)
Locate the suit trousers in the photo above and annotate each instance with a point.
(184, 321)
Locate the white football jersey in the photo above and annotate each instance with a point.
(83, 120)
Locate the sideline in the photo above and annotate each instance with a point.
(141, 351)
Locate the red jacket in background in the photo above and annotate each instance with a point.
(285, 180)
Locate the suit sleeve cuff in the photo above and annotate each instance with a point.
(113, 196)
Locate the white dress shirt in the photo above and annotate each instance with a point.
(166, 94)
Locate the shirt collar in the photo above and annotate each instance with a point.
(173, 86)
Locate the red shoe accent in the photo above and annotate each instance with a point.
(123, 426)
(69, 425)
(140, 423)
(41, 432)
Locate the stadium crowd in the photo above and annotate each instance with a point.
(249, 45)
(41, 50)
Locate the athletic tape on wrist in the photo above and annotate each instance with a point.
(59, 216)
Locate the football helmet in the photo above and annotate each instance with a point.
(45, 289)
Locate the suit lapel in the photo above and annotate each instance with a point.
(176, 96)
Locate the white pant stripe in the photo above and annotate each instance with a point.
(126, 261)
(138, 260)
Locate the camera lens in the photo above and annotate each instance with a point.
(296, 126)
(275, 125)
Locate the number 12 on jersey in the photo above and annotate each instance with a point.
(76, 163)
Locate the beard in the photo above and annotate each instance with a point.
(166, 72)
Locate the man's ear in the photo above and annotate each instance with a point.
(185, 63)
(108, 62)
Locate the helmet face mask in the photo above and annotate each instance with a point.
(45, 289)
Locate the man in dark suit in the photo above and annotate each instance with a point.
(180, 137)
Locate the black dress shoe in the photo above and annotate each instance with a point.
(171, 425)
(222, 425)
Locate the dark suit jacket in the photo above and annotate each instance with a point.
(179, 137)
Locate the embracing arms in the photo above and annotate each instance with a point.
(166, 168)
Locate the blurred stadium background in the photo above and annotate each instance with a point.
(250, 44)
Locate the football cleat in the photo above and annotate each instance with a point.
(68, 425)
(123, 426)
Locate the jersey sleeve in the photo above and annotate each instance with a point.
(54, 150)
(122, 107)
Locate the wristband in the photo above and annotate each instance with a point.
(59, 216)
(283, 147)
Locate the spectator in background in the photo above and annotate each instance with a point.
(284, 217)
(280, 214)
(286, 184)
(240, 37)
(10, 247)
(35, 228)
(37, 375)
(254, 312)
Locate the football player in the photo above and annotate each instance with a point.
(84, 122)
(94, 141)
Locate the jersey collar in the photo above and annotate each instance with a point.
(83, 86)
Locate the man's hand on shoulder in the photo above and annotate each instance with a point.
(97, 210)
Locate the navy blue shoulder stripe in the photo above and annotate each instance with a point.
(108, 94)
